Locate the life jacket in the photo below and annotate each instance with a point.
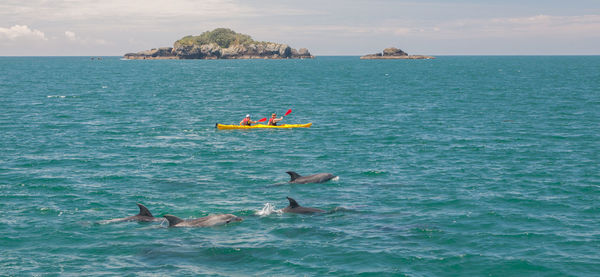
(271, 122)
(246, 121)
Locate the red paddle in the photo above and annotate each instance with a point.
(288, 112)
(263, 119)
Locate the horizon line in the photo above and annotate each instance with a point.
(352, 55)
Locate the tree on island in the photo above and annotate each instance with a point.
(223, 37)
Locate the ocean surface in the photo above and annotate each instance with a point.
(458, 166)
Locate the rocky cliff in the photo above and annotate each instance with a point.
(394, 53)
(222, 44)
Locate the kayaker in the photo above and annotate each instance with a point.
(273, 120)
(246, 121)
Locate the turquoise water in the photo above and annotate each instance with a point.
(459, 166)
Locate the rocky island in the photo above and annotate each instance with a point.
(394, 53)
(221, 43)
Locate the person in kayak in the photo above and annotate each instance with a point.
(246, 121)
(273, 120)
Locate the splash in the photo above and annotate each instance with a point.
(335, 179)
(268, 209)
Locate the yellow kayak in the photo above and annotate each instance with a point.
(261, 126)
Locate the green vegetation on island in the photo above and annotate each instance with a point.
(221, 36)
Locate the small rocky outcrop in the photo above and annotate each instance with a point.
(222, 44)
(155, 53)
(394, 53)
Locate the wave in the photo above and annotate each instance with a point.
(374, 173)
(61, 96)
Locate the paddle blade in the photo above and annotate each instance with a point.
(262, 119)
(288, 112)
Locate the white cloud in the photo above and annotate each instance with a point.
(21, 32)
(70, 35)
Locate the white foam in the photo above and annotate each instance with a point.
(336, 178)
(268, 209)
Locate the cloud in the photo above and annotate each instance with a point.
(21, 32)
(138, 11)
(70, 35)
(132, 14)
(346, 30)
(530, 26)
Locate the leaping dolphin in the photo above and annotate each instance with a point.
(143, 216)
(315, 178)
(211, 220)
(294, 207)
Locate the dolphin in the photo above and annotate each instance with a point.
(207, 221)
(294, 207)
(315, 178)
(143, 216)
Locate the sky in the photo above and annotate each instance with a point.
(325, 27)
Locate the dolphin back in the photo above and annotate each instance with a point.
(144, 211)
(307, 210)
(294, 207)
(293, 203)
(219, 219)
(173, 220)
(293, 175)
(315, 178)
(207, 221)
(323, 177)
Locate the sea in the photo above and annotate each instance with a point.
(455, 166)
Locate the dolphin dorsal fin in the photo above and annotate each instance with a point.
(293, 202)
(293, 175)
(173, 220)
(144, 211)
